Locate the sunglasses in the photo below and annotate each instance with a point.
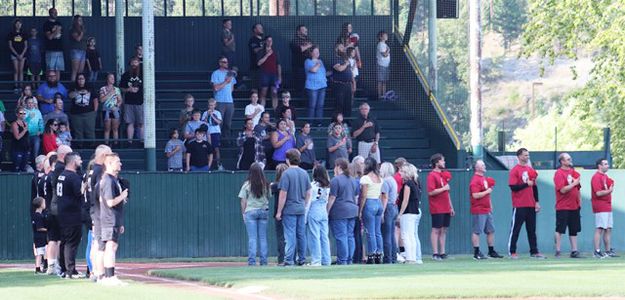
(223, 62)
(55, 124)
(22, 113)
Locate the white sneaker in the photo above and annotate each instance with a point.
(112, 281)
(401, 258)
(419, 262)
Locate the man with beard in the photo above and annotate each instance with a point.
(255, 44)
(132, 85)
(68, 191)
(300, 44)
(53, 31)
(46, 92)
(54, 224)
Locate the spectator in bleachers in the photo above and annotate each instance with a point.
(300, 44)
(174, 151)
(46, 92)
(132, 85)
(337, 118)
(21, 143)
(383, 58)
(139, 55)
(270, 72)
(34, 120)
(339, 145)
(33, 56)
(27, 93)
(287, 116)
(367, 133)
(187, 112)
(193, 124)
(199, 154)
(53, 30)
(316, 84)
(94, 61)
(353, 64)
(263, 131)
(250, 147)
(111, 99)
(57, 113)
(304, 143)
(50, 141)
(2, 128)
(77, 46)
(342, 80)
(84, 101)
(284, 104)
(282, 140)
(213, 118)
(349, 39)
(254, 110)
(64, 135)
(223, 80)
(255, 44)
(18, 44)
(228, 47)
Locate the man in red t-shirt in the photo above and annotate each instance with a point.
(568, 199)
(480, 189)
(602, 187)
(441, 208)
(522, 182)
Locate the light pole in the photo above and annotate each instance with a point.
(533, 104)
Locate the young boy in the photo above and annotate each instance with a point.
(199, 154)
(213, 118)
(39, 233)
(193, 124)
(34, 57)
(64, 135)
(254, 110)
(383, 57)
(174, 150)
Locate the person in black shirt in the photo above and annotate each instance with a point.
(53, 31)
(367, 133)
(300, 44)
(283, 105)
(255, 44)
(342, 80)
(83, 110)
(18, 44)
(112, 201)
(93, 192)
(199, 154)
(132, 85)
(54, 225)
(68, 190)
(39, 231)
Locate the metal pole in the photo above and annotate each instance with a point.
(119, 39)
(433, 48)
(606, 145)
(475, 56)
(149, 92)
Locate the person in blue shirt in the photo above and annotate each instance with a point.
(46, 92)
(223, 80)
(316, 84)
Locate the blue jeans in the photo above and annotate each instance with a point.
(318, 241)
(20, 159)
(93, 76)
(199, 169)
(388, 234)
(316, 99)
(372, 219)
(256, 225)
(88, 250)
(343, 231)
(294, 236)
(35, 147)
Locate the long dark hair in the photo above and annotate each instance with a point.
(344, 36)
(48, 127)
(320, 175)
(371, 166)
(84, 87)
(259, 186)
(75, 26)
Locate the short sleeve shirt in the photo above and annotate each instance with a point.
(482, 205)
(131, 80)
(571, 199)
(175, 161)
(367, 135)
(226, 34)
(439, 204)
(109, 190)
(82, 101)
(254, 202)
(213, 127)
(56, 43)
(374, 189)
(199, 151)
(225, 94)
(18, 40)
(382, 60)
(389, 188)
(250, 109)
(69, 197)
(525, 197)
(295, 183)
(345, 190)
(601, 182)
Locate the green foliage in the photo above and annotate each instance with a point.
(563, 28)
(508, 19)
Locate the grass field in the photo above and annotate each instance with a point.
(459, 277)
(17, 285)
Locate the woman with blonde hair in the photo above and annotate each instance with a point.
(389, 191)
(410, 214)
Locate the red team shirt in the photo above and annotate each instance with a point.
(478, 185)
(570, 200)
(601, 182)
(441, 203)
(519, 175)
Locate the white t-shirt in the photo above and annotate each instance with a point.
(383, 61)
(2, 120)
(212, 126)
(354, 66)
(250, 109)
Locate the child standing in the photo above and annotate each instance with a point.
(34, 57)
(193, 124)
(174, 150)
(383, 57)
(94, 62)
(254, 110)
(213, 118)
(39, 233)
(64, 135)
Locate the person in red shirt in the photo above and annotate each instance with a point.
(50, 143)
(441, 208)
(480, 189)
(602, 187)
(399, 162)
(568, 199)
(522, 182)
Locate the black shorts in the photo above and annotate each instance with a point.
(96, 229)
(441, 220)
(54, 229)
(570, 219)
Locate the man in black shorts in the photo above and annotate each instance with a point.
(68, 191)
(94, 211)
(112, 200)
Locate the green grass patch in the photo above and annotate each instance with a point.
(459, 277)
(18, 284)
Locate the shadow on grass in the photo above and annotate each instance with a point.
(19, 278)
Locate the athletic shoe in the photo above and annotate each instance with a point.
(75, 276)
(538, 256)
(479, 256)
(221, 168)
(494, 254)
(599, 254)
(514, 256)
(444, 256)
(112, 281)
(40, 272)
(611, 253)
(313, 265)
(557, 254)
(401, 258)
(419, 262)
(576, 254)
(436, 257)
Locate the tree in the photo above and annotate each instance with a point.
(567, 27)
(508, 18)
